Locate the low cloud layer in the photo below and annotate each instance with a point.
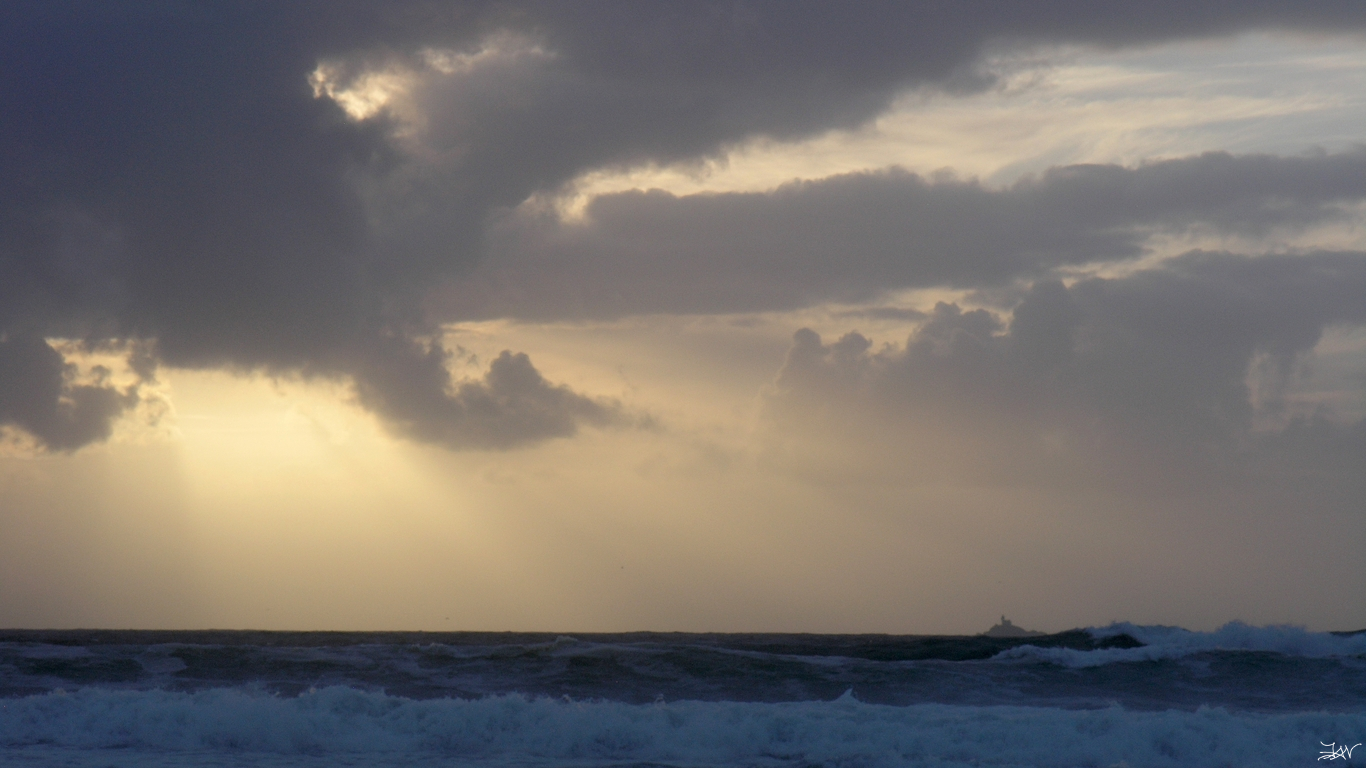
(39, 396)
(849, 238)
(1138, 384)
(179, 176)
(513, 405)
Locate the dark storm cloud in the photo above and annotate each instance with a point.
(643, 81)
(1139, 381)
(410, 385)
(847, 238)
(39, 396)
(167, 175)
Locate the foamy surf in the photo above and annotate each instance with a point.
(1122, 695)
(339, 725)
(1161, 642)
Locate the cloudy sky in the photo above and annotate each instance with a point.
(725, 316)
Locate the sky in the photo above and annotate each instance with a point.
(709, 316)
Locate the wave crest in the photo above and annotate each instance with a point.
(340, 720)
(1162, 642)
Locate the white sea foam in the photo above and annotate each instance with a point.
(1161, 642)
(339, 726)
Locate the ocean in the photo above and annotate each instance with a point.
(1121, 695)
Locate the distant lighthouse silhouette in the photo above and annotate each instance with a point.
(1006, 629)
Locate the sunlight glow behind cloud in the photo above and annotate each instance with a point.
(1052, 319)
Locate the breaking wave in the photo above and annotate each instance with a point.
(512, 729)
(1160, 642)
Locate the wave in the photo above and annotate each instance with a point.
(511, 728)
(1163, 642)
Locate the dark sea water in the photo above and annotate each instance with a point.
(1122, 695)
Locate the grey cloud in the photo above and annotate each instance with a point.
(38, 396)
(167, 175)
(850, 237)
(882, 313)
(1138, 382)
(632, 82)
(410, 385)
(704, 73)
